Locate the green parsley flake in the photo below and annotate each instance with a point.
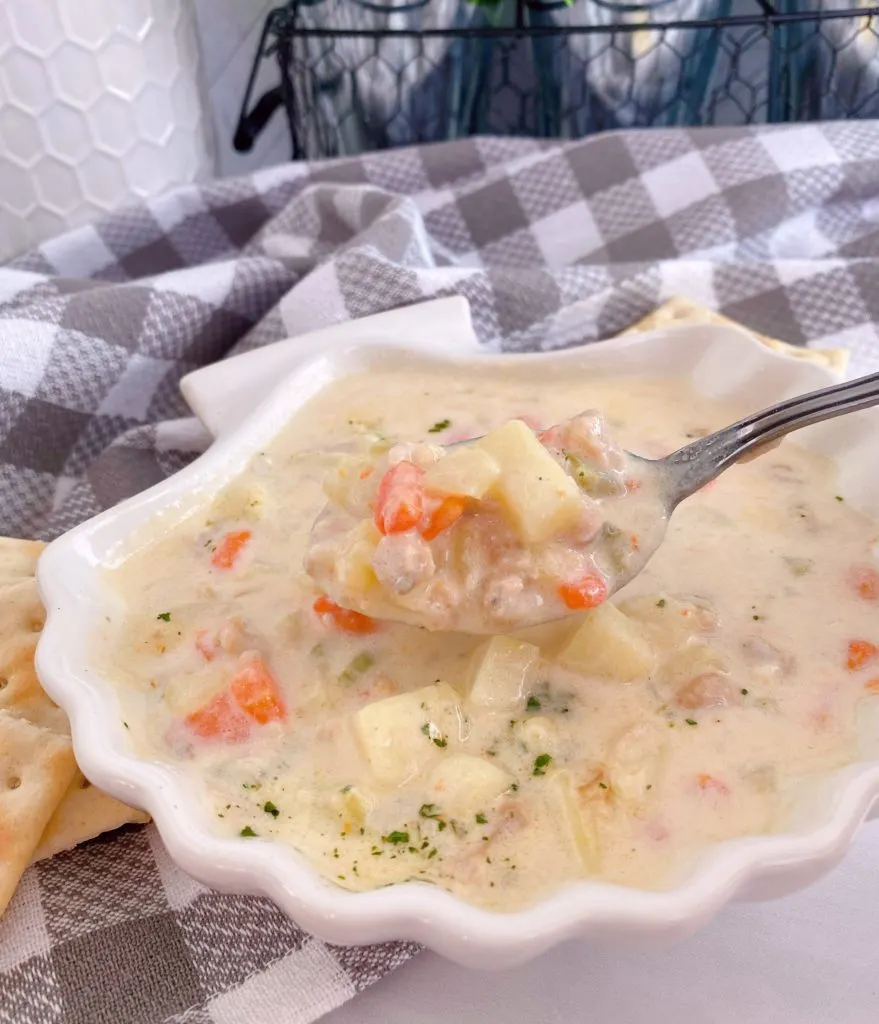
(428, 811)
(839, 497)
(164, 616)
(396, 838)
(660, 603)
(799, 566)
(433, 733)
(533, 703)
(250, 785)
(744, 692)
(440, 426)
(247, 832)
(541, 762)
(270, 808)
(359, 664)
(691, 721)
(481, 819)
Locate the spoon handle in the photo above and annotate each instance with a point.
(698, 463)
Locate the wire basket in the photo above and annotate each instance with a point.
(360, 75)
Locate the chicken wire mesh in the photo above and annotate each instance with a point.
(359, 75)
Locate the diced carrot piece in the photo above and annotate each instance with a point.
(399, 504)
(636, 542)
(860, 652)
(709, 782)
(229, 548)
(446, 514)
(220, 719)
(866, 582)
(204, 645)
(367, 471)
(344, 618)
(587, 592)
(256, 692)
(872, 685)
(632, 484)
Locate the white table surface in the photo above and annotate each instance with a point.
(810, 958)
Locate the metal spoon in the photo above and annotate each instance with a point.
(688, 469)
(669, 481)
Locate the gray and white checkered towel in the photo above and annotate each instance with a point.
(553, 244)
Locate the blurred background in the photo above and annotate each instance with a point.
(105, 102)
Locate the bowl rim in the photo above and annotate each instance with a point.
(416, 911)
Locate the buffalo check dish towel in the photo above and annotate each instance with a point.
(554, 244)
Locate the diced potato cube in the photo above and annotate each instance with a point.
(400, 735)
(539, 734)
(353, 565)
(609, 644)
(550, 637)
(469, 471)
(536, 493)
(353, 804)
(635, 762)
(695, 659)
(191, 691)
(462, 786)
(669, 621)
(503, 670)
(349, 482)
(578, 817)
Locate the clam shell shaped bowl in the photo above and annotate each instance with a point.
(241, 402)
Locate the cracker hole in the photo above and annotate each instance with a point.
(36, 626)
(13, 782)
(4, 682)
(84, 784)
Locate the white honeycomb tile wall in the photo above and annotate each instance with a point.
(101, 102)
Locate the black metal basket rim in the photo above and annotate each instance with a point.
(789, 94)
(287, 26)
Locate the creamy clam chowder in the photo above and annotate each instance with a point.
(513, 529)
(616, 744)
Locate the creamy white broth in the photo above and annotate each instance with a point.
(765, 575)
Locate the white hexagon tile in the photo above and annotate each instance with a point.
(101, 102)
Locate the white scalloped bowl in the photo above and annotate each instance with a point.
(720, 361)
